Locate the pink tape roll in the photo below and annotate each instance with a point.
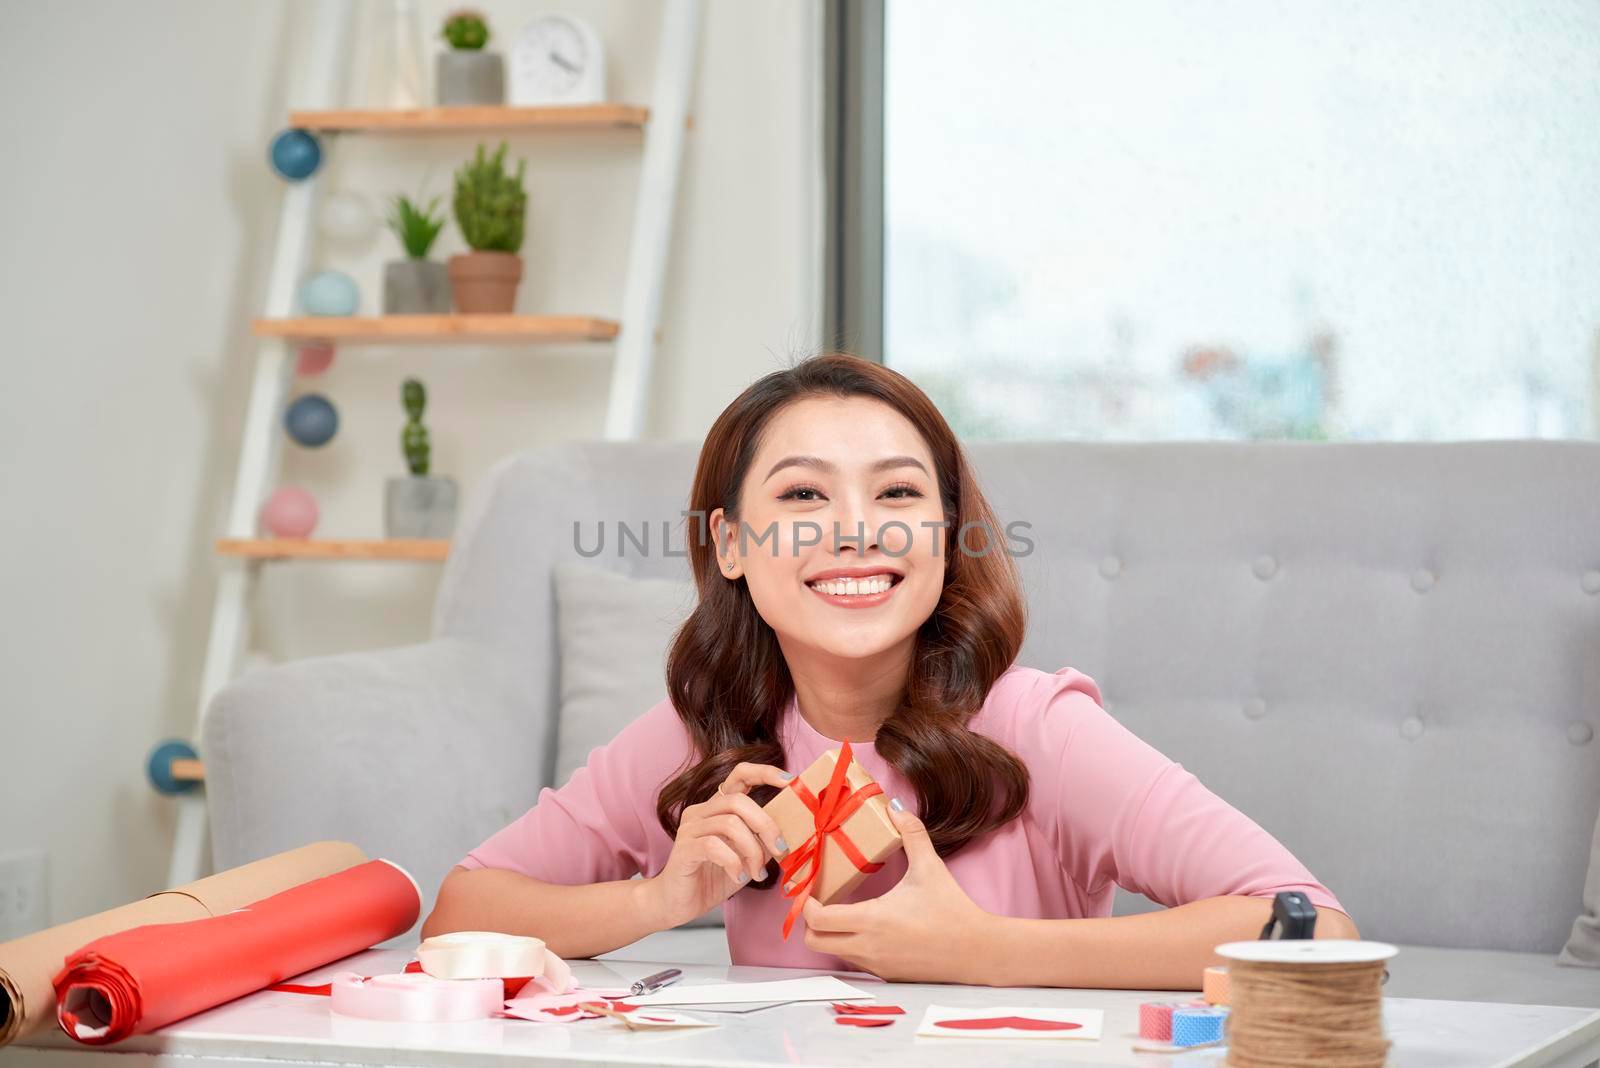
(416, 997)
(1155, 1017)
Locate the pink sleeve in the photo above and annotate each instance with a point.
(601, 825)
(1125, 813)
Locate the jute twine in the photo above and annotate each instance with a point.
(1302, 1014)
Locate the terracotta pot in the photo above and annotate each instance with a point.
(485, 282)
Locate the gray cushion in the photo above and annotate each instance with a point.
(1583, 945)
(613, 632)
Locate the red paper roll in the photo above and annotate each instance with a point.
(145, 978)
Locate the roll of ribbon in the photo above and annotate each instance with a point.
(1193, 1025)
(416, 997)
(147, 977)
(1155, 1018)
(493, 955)
(1214, 985)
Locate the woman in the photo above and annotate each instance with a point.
(1022, 803)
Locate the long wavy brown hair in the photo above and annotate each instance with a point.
(726, 674)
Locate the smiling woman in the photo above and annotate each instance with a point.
(853, 584)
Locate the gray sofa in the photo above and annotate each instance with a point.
(1387, 654)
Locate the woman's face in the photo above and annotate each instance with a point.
(839, 484)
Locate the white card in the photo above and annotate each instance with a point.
(810, 988)
(990, 1021)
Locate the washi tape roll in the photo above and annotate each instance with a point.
(1155, 1018)
(1214, 985)
(1194, 1025)
(415, 997)
(492, 955)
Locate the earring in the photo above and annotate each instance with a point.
(730, 566)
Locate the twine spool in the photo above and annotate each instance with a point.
(1304, 1002)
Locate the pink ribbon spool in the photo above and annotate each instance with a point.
(416, 997)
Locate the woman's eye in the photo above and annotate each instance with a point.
(793, 494)
(902, 490)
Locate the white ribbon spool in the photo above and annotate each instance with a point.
(492, 955)
(414, 997)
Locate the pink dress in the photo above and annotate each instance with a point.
(1104, 809)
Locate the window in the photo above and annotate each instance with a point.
(1246, 219)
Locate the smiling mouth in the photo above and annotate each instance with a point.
(856, 593)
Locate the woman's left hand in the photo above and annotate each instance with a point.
(926, 929)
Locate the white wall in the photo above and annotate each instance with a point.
(136, 252)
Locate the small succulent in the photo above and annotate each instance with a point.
(415, 227)
(414, 437)
(466, 29)
(490, 204)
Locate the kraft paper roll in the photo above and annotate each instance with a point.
(28, 964)
(137, 981)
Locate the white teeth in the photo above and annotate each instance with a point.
(847, 587)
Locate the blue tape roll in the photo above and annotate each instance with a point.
(1192, 1026)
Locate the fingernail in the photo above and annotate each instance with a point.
(744, 877)
(894, 803)
(788, 775)
(783, 847)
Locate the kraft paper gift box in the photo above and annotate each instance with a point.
(865, 829)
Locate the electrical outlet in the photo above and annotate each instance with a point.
(24, 893)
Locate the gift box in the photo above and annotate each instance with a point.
(836, 821)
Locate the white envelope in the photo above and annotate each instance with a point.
(810, 988)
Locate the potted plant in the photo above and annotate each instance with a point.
(415, 285)
(466, 74)
(489, 205)
(418, 505)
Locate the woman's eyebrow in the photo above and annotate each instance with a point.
(826, 466)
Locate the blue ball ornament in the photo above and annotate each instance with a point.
(330, 293)
(311, 420)
(295, 155)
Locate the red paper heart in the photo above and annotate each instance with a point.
(862, 1021)
(867, 1010)
(1021, 1023)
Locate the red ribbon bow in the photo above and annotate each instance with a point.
(837, 804)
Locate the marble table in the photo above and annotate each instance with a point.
(279, 1029)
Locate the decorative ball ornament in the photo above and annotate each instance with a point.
(295, 155)
(314, 358)
(330, 293)
(347, 217)
(290, 512)
(311, 420)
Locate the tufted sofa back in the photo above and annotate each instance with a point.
(1388, 655)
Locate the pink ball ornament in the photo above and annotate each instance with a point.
(290, 512)
(314, 358)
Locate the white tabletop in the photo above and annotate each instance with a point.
(271, 1028)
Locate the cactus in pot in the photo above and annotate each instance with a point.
(418, 505)
(490, 206)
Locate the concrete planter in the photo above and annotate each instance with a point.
(419, 506)
(416, 287)
(465, 78)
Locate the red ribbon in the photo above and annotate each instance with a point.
(837, 804)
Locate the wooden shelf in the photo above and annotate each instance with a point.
(335, 548)
(473, 119)
(400, 329)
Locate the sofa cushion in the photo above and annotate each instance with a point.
(613, 632)
(1583, 945)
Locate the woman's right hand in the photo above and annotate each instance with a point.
(723, 843)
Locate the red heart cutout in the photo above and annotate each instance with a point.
(867, 1010)
(1021, 1023)
(862, 1021)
